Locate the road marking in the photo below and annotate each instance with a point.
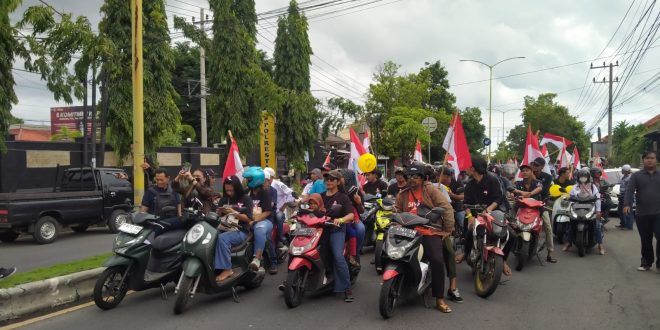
(51, 315)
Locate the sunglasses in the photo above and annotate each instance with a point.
(330, 179)
(416, 176)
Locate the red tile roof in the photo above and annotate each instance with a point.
(30, 134)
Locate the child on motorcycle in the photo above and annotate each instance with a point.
(584, 189)
(233, 199)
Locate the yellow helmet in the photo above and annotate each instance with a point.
(554, 191)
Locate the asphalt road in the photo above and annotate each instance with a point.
(594, 292)
(27, 255)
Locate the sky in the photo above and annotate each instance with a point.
(559, 39)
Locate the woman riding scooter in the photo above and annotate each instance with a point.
(233, 197)
(585, 188)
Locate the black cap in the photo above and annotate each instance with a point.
(334, 174)
(525, 166)
(329, 167)
(539, 161)
(479, 164)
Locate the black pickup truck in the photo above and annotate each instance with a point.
(84, 197)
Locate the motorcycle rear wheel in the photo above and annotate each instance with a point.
(580, 243)
(486, 284)
(390, 292)
(293, 289)
(107, 293)
(185, 288)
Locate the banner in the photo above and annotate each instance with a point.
(267, 140)
(69, 117)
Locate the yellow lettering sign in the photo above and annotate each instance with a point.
(267, 140)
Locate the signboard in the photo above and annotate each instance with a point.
(267, 140)
(430, 123)
(486, 142)
(69, 117)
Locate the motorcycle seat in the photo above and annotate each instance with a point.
(240, 247)
(409, 219)
(168, 239)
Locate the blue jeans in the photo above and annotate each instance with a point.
(279, 222)
(226, 241)
(262, 231)
(356, 230)
(340, 269)
(626, 221)
(459, 216)
(598, 232)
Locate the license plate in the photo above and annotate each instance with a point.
(403, 231)
(130, 228)
(304, 232)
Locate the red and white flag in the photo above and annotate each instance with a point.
(564, 158)
(599, 164)
(327, 158)
(357, 150)
(233, 166)
(576, 158)
(417, 156)
(455, 143)
(546, 156)
(557, 140)
(366, 143)
(532, 150)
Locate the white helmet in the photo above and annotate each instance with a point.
(626, 168)
(270, 173)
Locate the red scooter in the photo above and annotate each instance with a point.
(528, 226)
(490, 235)
(306, 268)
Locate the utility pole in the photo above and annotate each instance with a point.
(93, 134)
(202, 82)
(85, 161)
(138, 100)
(609, 103)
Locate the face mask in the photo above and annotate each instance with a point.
(584, 180)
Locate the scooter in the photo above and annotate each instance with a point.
(407, 274)
(383, 214)
(141, 260)
(560, 212)
(369, 219)
(583, 222)
(199, 252)
(306, 268)
(487, 257)
(528, 225)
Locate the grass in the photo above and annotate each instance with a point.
(54, 271)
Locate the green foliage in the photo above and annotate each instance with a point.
(475, 131)
(162, 118)
(547, 116)
(404, 126)
(8, 46)
(14, 120)
(66, 135)
(296, 124)
(334, 116)
(186, 67)
(239, 89)
(628, 143)
(439, 98)
(187, 132)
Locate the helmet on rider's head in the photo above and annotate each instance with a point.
(494, 168)
(270, 172)
(595, 172)
(583, 173)
(254, 176)
(416, 168)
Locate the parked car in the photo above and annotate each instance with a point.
(614, 178)
(83, 197)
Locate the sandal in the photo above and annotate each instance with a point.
(506, 270)
(566, 248)
(601, 250)
(444, 308)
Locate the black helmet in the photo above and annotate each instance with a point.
(416, 168)
(582, 173)
(595, 171)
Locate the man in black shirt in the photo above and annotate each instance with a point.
(374, 185)
(564, 180)
(546, 180)
(400, 184)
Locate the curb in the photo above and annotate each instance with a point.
(29, 298)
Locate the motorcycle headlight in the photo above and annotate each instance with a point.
(123, 240)
(591, 213)
(573, 214)
(194, 234)
(397, 252)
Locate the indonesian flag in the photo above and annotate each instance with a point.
(455, 143)
(327, 158)
(576, 158)
(417, 156)
(532, 150)
(357, 150)
(598, 163)
(366, 143)
(233, 166)
(564, 158)
(546, 156)
(557, 140)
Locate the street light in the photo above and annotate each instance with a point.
(503, 112)
(490, 94)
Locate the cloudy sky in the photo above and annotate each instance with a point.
(558, 39)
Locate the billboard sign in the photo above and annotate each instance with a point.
(69, 117)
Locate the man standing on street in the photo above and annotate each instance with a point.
(645, 185)
(626, 219)
(546, 180)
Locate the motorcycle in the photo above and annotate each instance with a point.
(198, 248)
(306, 268)
(141, 261)
(528, 225)
(369, 219)
(385, 211)
(487, 257)
(583, 218)
(560, 212)
(407, 274)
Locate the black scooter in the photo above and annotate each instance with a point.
(583, 222)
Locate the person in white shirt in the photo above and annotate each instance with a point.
(284, 198)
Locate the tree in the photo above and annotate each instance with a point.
(628, 143)
(162, 119)
(296, 127)
(439, 98)
(547, 116)
(334, 116)
(475, 131)
(65, 135)
(186, 68)
(8, 46)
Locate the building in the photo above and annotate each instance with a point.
(33, 133)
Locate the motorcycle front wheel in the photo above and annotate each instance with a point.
(485, 283)
(107, 291)
(294, 289)
(378, 256)
(185, 290)
(580, 243)
(390, 293)
(522, 256)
